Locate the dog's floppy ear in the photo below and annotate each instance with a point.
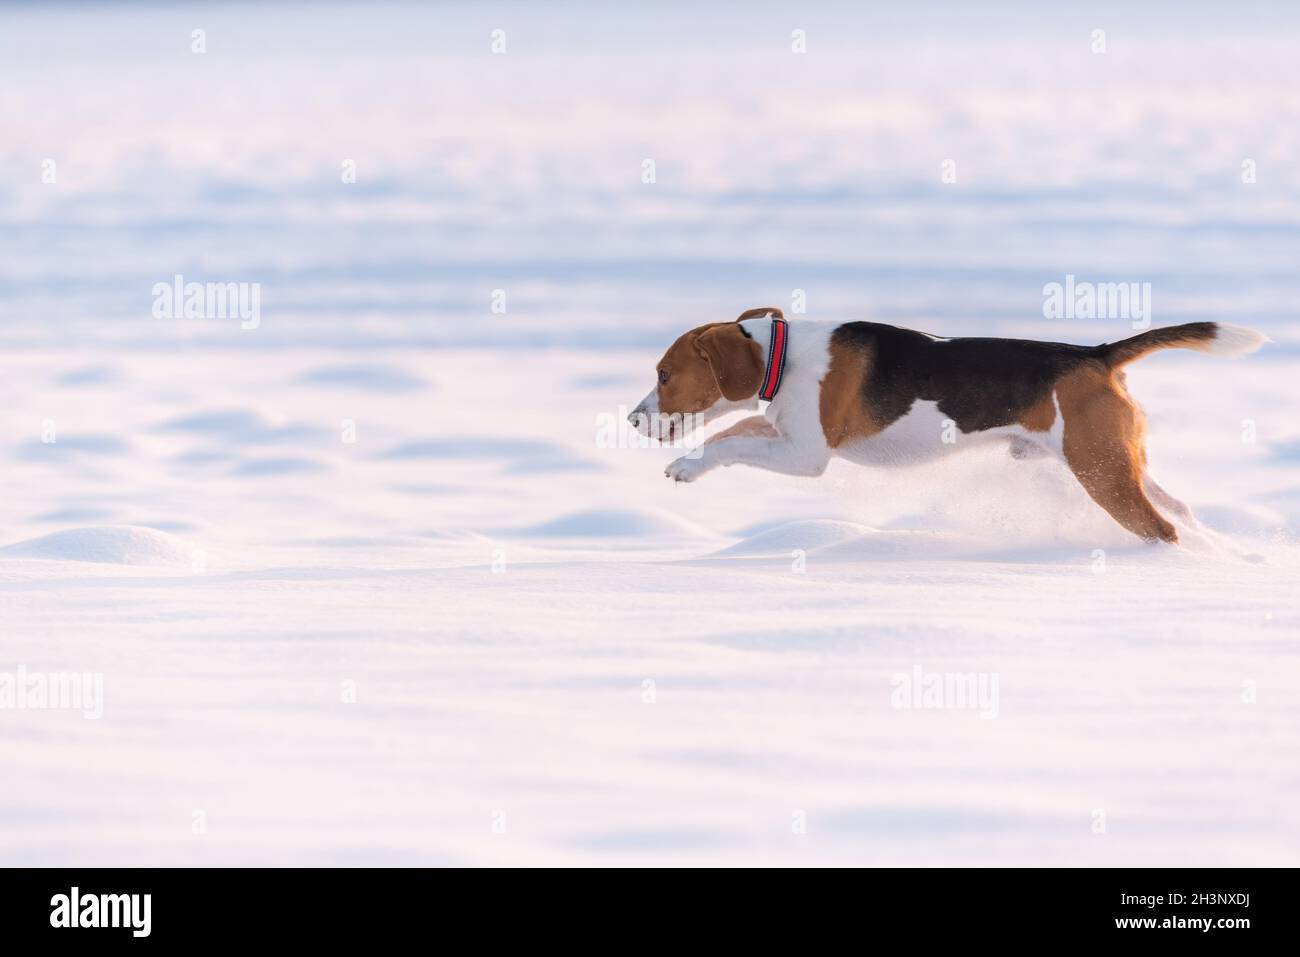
(735, 358)
(762, 312)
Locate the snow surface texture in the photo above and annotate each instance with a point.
(483, 633)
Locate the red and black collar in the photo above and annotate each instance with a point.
(775, 360)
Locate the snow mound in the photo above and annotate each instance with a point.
(1242, 519)
(785, 538)
(373, 377)
(241, 426)
(613, 523)
(221, 422)
(850, 542)
(924, 544)
(109, 544)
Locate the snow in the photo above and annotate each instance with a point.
(116, 545)
(500, 627)
(369, 585)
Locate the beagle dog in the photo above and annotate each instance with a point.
(881, 395)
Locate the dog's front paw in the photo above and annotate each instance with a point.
(685, 469)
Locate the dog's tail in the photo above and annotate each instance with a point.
(1213, 337)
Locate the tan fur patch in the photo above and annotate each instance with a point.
(1102, 442)
(690, 386)
(735, 360)
(844, 417)
(1041, 416)
(755, 425)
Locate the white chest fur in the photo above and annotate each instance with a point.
(796, 410)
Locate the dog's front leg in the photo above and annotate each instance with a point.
(755, 425)
(775, 455)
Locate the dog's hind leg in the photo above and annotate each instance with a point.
(1102, 442)
(1114, 487)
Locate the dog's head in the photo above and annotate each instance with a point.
(707, 372)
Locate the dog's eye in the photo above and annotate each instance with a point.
(663, 376)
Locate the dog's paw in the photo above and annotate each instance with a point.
(685, 469)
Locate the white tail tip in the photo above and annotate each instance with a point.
(1234, 341)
